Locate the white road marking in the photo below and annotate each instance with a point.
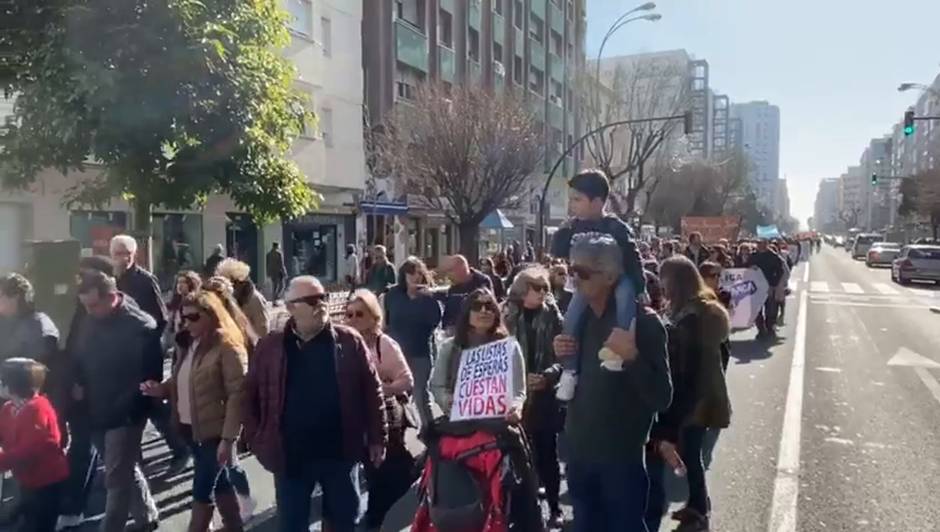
(806, 274)
(929, 381)
(885, 288)
(787, 484)
(906, 357)
(845, 303)
(922, 292)
(819, 286)
(852, 288)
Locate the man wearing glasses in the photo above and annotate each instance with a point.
(314, 410)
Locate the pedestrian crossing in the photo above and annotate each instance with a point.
(869, 293)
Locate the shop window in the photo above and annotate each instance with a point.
(177, 246)
(94, 229)
(311, 248)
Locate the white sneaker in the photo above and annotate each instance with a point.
(69, 521)
(216, 524)
(247, 506)
(567, 385)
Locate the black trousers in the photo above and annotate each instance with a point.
(388, 482)
(39, 510)
(544, 444)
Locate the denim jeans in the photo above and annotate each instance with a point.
(208, 477)
(608, 496)
(294, 487)
(691, 440)
(625, 300)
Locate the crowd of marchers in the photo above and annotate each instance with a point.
(601, 328)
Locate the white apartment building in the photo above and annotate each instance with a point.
(326, 50)
(760, 141)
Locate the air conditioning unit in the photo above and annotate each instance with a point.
(499, 69)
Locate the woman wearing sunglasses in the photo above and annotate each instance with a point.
(479, 323)
(534, 319)
(205, 394)
(389, 481)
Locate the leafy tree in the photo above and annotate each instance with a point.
(172, 99)
(921, 197)
(463, 151)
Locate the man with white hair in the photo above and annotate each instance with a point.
(313, 410)
(142, 286)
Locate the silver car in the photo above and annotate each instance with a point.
(917, 263)
(882, 253)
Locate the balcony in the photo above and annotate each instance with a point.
(537, 54)
(558, 18)
(474, 15)
(556, 115)
(448, 64)
(499, 28)
(558, 67)
(412, 45)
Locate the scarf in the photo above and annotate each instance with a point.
(544, 335)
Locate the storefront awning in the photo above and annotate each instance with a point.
(496, 220)
(390, 208)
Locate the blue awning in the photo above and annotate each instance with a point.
(496, 220)
(390, 208)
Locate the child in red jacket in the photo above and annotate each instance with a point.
(31, 444)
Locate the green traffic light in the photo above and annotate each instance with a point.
(908, 130)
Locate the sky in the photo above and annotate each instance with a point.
(832, 66)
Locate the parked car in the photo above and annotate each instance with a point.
(882, 253)
(863, 242)
(917, 263)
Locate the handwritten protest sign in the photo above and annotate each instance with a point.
(749, 290)
(712, 228)
(484, 386)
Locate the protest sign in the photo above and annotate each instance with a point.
(712, 228)
(749, 289)
(484, 387)
(768, 231)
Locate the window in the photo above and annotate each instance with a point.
(570, 52)
(411, 11)
(497, 52)
(517, 70)
(326, 36)
(473, 44)
(405, 90)
(498, 6)
(558, 44)
(570, 10)
(537, 28)
(557, 93)
(518, 13)
(326, 126)
(536, 80)
(445, 28)
(301, 17)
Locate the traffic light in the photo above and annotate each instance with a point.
(874, 179)
(909, 123)
(688, 123)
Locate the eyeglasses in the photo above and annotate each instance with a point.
(357, 314)
(481, 305)
(191, 318)
(312, 301)
(583, 272)
(538, 287)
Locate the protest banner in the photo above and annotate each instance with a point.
(749, 290)
(484, 387)
(768, 231)
(712, 228)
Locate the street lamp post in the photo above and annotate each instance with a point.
(622, 21)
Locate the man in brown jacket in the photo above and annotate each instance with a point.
(313, 410)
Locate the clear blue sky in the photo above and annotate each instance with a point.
(832, 66)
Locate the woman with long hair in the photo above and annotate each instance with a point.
(412, 315)
(534, 319)
(697, 325)
(187, 282)
(223, 288)
(388, 482)
(205, 393)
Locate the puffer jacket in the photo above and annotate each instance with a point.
(700, 396)
(215, 386)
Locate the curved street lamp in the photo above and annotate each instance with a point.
(904, 87)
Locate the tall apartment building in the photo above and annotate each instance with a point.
(326, 49)
(531, 46)
(781, 201)
(851, 206)
(722, 133)
(826, 207)
(875, 164)
(760, 141)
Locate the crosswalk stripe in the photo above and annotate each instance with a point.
(852, 288)
(885, 288)
(819, 286)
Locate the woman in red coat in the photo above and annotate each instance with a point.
(32, 444)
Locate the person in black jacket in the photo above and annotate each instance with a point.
(117, 348)
(772, 266)
(142, 286)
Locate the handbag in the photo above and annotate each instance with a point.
(401, 410)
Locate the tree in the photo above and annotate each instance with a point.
(921, 196)
(173, 99)
(464, 151)
(647, 89)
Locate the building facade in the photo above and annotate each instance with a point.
(532, 47)
(826, 207)
(326, 51)
(760, 142)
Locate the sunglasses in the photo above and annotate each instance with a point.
(583, 272)
(479, 306)
(311, 301)
(357, 314)
(538, 287)
(191, 318)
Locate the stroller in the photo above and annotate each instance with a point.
(477, 477)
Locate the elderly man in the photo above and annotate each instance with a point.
(606, 471)
(313, 410)
(464, 280)
(115, 351)
(141, 286)
(381, 274)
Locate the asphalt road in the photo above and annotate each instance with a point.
(858, 448)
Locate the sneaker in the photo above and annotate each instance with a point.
(69, 521)
(247, 505)
(567, 385)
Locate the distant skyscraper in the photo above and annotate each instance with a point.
(760, 142)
